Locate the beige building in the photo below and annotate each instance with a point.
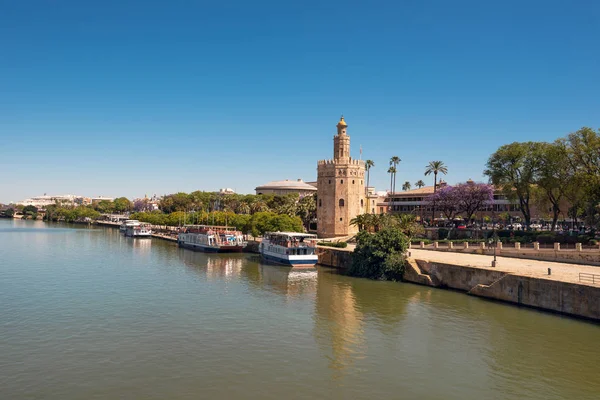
(340, 188)
(287, 187)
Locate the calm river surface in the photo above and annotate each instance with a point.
(89, 314)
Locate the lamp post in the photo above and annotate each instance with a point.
(494, 238)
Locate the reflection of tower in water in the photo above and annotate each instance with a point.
(338, 324)
(290, 282)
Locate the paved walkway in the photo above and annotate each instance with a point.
(518, 266)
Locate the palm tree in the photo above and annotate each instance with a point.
(391, 171)
(394, 161)
(435, 167)
(361, 221)
(406, 186)
(368, 165)
(419, 183)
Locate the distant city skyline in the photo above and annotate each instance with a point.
(127, 98)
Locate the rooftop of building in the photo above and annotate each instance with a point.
(288, 184)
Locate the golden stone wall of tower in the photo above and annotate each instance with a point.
(340, 188)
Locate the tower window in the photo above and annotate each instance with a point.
(353, 181)
(340, 220)
(341, 202)
(330, 181)
(319, 202)
(361, 203)
(342, 181)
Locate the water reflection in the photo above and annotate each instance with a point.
(213, 266)
(338, 323)
(289, 282)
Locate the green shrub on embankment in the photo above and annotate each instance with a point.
(339, 245)
(380, 255)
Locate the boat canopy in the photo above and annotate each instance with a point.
(292, 235)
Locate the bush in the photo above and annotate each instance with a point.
(380, 255)
(546, 238)
(419, 240)
(340, 245)
(593, 242)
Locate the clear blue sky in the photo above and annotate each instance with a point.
(131, 98)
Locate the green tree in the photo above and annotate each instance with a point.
(122, 204)
(553, 175)
(307, 210)
(361, 221)
(104, 206)
(406, 186)
(380, 255)
(419, 183)
(584, 159)
(513, 169)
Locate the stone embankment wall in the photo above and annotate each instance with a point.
(332, 257)
(563, 297)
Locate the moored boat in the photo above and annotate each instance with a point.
(138, 230)
(211, 239)
(289, 248)
(126, 223)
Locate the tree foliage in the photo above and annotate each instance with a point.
(375, 222)
(380, 255)
(70, 213)
(547, 173)
(513, 168)
(256, 224)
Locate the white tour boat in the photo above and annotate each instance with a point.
(211, 239)
(290, 248)
(126, 223)
(138, 230)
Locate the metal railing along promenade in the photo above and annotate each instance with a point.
(589, 278)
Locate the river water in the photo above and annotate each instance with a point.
(88, 314)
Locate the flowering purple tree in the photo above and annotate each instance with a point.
(446, 200)
(141, 205)
(472, 197)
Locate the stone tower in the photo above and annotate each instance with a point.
(340, 188)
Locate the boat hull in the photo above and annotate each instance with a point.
(289, 262)
(140, 236)
(211, 249)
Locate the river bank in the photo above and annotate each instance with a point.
(520, 282)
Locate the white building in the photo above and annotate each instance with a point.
(45, 200)
(287, 187)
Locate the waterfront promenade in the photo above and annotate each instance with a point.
(562, 272)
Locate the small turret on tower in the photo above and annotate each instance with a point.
(341, 143)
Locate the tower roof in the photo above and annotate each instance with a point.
(342, 122)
